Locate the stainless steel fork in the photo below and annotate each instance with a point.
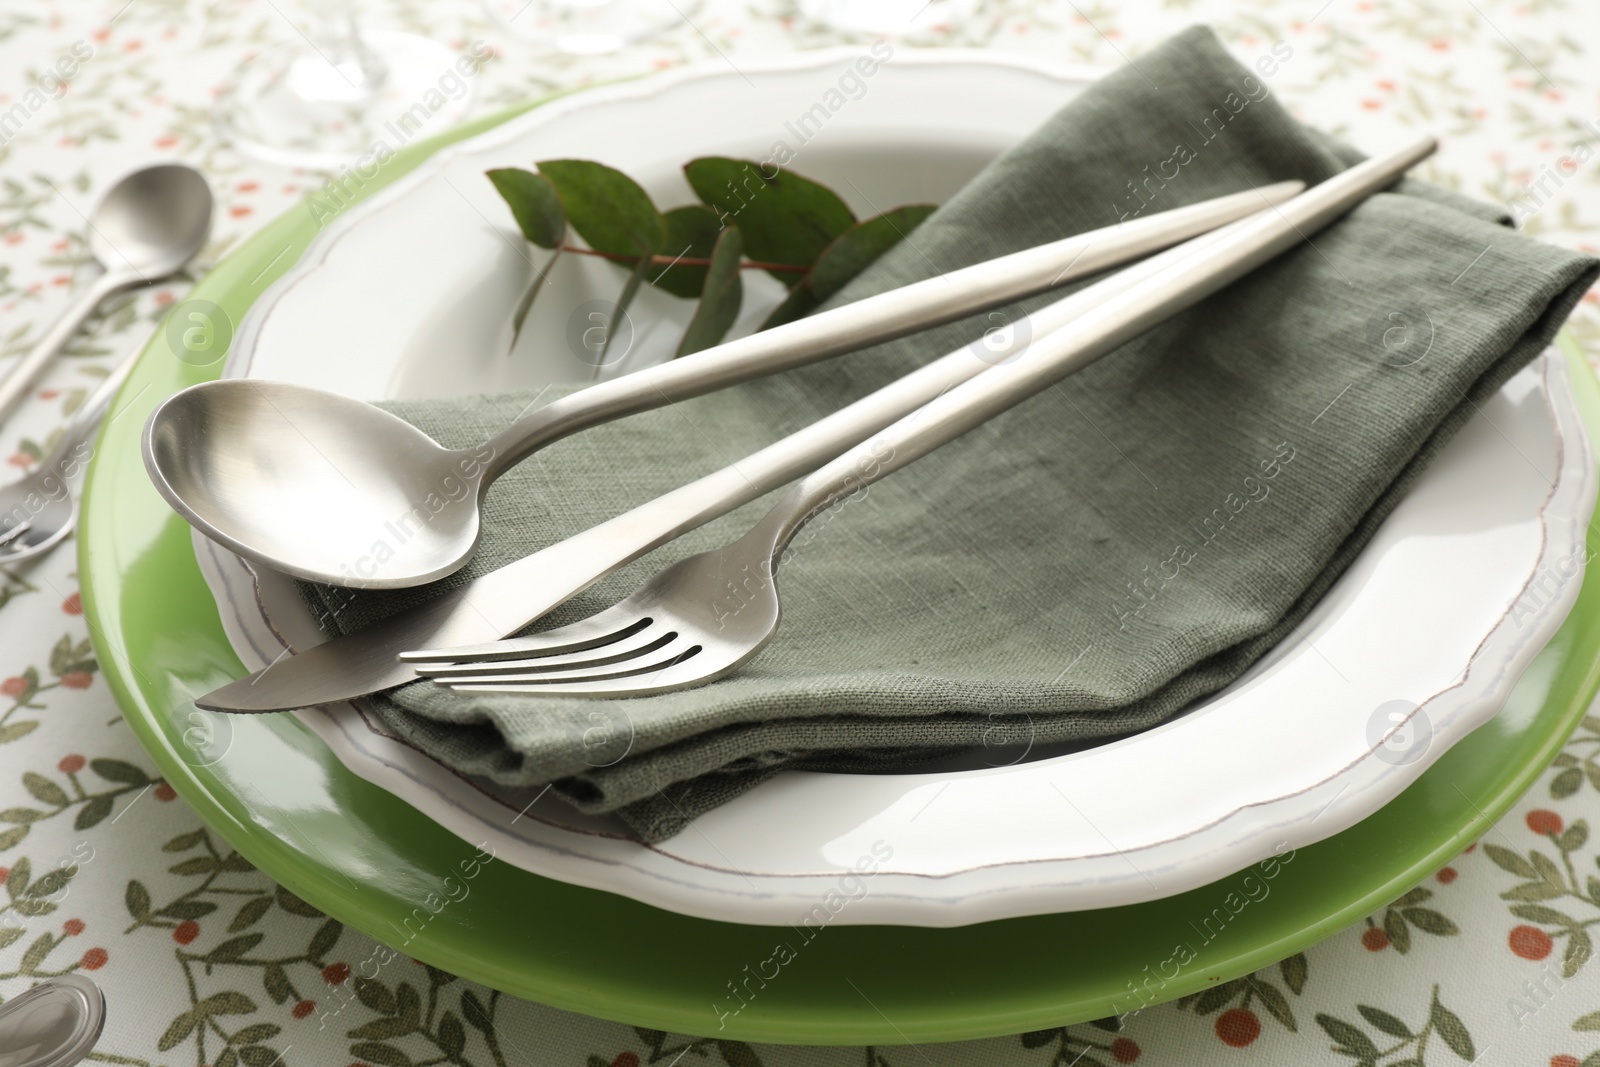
(707, 615)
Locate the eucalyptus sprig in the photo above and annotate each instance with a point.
(752, 216)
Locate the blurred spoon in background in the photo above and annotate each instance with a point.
(54, 1024)
(149, 225)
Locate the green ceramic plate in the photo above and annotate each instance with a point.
(370, 860)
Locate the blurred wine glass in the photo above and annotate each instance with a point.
(588, 27)
(331, 97)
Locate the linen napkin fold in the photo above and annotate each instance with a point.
(1082, 567)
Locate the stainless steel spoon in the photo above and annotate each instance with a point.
(54, 1024)
(331, 489)
(148, 226)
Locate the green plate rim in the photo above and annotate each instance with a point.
(141, 592)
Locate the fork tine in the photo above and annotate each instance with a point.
(642, 640)
(616, 623)
(569, 683)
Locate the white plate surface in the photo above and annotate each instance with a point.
(1284, 757)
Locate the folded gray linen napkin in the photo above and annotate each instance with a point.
(1082, 567)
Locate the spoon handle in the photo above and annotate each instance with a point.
(897, 313)
(20, 378)
(1116, 314)
(87, 418)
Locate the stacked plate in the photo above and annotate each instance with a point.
(1405, 714)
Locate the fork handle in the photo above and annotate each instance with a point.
(884, 317)
(1182, 281)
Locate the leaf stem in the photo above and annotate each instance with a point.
(684, 261)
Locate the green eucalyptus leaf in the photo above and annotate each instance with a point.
(800, 302)
(607, 208)
(630, 289)
(526, 305)
(854, 250)
(721, 297)
(692, 233)
(783, 217)
(534, 203)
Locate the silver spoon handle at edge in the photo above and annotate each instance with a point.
(21, 376)
(1118, 319)
(884, 317)
(501, 602)
(86, 419)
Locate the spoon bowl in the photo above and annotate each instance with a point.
(316, 484)
(54, 1024)
(152, 222)
(147, 226)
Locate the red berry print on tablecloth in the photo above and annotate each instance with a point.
(71, 764)
(165, 792)
(1446, 875)
(72, 927)
(1401, 918)
(626, 1059)
(1530, 942)
(77, 679)
(186, 932)
(73, 605)
(1543, 821)
(304, 1008)
(1125, 1050)
(1563, 1060)
(94, 959)
(1554, 899)
(14, 686)
(336, 973)
(1238, 1027)
(1243, 1001)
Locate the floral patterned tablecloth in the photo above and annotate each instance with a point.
(204, 960)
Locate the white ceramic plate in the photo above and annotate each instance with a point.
(1286, 756)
